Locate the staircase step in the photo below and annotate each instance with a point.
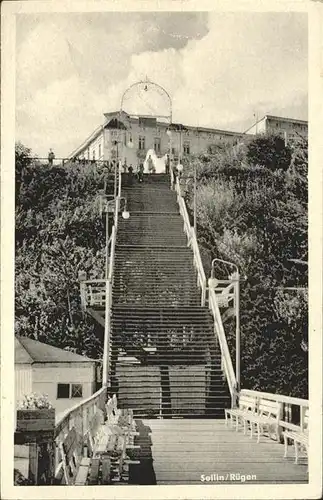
(165, 358)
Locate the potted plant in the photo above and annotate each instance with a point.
(35, 413)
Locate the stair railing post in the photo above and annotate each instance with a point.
(107, 326)
(195, 216)
(82, 278)
(237, 310)
(106, 242)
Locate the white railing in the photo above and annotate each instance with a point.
(226, 361)
(79, 417)
(172, 178)
(192, 242)
(93, 293)
(286, 403)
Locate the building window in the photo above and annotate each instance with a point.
(68, 391)
(99, 150)
(63, 391)
(88, 154)
(157, 144)
(186, 148)
(77, 391)
(93, 155)
(141, 142)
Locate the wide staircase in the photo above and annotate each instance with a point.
(165, 361)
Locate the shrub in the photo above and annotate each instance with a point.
(269, 151)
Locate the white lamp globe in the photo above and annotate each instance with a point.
(169, 132)
(125, 214)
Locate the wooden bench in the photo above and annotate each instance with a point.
(247, 405)
(267, 416)
(299, 438)
(75, 469)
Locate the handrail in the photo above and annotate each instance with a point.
(107, 334)
(192, 242)
(280, 398)
(97, 400)
(171, 176)
(225, 353)
(286, 403)
(112, 253)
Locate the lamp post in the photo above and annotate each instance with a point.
(117, 169)
(235, 279)
(194, 202)
(169, 133)
(125, 215)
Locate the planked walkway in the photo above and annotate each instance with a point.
(184, 450)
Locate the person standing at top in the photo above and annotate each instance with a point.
(130, 175)
(180, 169)
(167, 164)
(151, 167)
(141, 172)
(51, 157)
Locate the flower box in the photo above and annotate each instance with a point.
(36, 420)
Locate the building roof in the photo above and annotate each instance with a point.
(284, 119)
(109, 117)
(278, 118)
(28, 351)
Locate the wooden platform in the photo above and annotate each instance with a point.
(185, 450)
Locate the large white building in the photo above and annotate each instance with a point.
(130, 137)
(121, 130)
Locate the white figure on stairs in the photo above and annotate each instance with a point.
(154, 164)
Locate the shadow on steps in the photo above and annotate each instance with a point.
(142, 473)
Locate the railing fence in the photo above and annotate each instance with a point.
(192, 242)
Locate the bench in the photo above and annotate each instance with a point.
(104, 467)
(247, 405)
(267, 416)
(299, 438)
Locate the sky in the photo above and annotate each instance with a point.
(221, 69)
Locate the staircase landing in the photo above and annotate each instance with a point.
(184, 450)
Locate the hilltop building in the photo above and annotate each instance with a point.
(130, 137)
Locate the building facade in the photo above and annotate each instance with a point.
(287, 127)
(130, 137)
(66, 377)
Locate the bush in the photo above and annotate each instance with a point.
(269, 151)
(252, 210)
(58, 233)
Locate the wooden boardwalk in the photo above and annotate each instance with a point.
(185, 450)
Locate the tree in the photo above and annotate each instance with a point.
(269, 151)
(256, 216)
(58, 232)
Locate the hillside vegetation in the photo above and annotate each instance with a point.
(252, 210)
(59, 232)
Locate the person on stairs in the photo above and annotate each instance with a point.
(141, 172)
(51, 157)
(151, 167)
(130, 176)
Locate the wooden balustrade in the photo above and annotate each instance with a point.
(79, 417)
(292, 409)
(226, 361)
(93, 293)
(192, 242)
